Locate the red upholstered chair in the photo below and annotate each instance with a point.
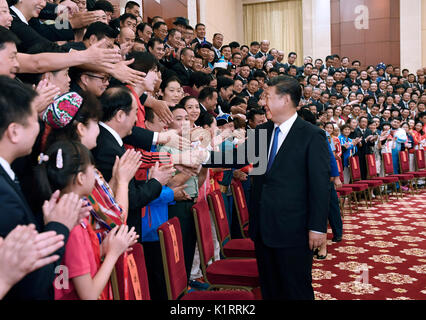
(241, 206)
(355, 189)
(373, 175)
(230, 248)
(225, 273)
(356, 178)
(419, 156)
(404, 164)
(131, 274)
(174, 269)
(388, 169)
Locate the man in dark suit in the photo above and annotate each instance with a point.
(364, 148)
(29, 29)
(18, 131)
(290, 193)
(183, 67)
(120, 112)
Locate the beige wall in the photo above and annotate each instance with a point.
(411, 34)
(226, 16)
(223, 16)
(424, 33)
(316, 28)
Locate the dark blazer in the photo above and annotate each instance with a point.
(292, 198)
(35, 33)
(140, 192)
(14, 211)
(182, 73)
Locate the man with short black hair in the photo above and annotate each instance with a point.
(144, 32)
(160, 30)
(254, 49)
(291, 60)
(156, 48)
(217, 44)
(128, 20)
(200, 34)
(208, 102)
(225, 87)
(183, 68)
(197, 81)
(255, 118)
(106, 7)
(297, 162)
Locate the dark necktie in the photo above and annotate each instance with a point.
(274, 148)
(18, 185)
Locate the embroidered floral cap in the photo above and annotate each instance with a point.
(62, 111)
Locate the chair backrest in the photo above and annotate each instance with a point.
(387, 163)
(240, 202)
(170, 235)
(204, 232)
(132, 277)
(217, 207)
(420, 159)
(404, 162)
(371, 165)
(340, 168)
(355, 170)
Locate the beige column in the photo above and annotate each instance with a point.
(411, 34)
(316, 28)
(192, 12)
(423, 33)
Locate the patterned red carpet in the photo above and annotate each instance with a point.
(382, 255)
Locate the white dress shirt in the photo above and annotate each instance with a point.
(113, 132)
(19, 14)
(118, 138)
(7, 168)
(284, 130)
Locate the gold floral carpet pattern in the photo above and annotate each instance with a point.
(382, 255)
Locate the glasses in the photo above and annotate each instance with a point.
(104, 79)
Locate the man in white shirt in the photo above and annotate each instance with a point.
(290, 193)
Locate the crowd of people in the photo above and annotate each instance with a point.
(106, 120)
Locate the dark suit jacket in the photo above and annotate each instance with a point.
(366, 146)
(140, 192)
(293, 197)
(182, 73)
(14, 211)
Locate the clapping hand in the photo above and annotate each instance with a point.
(69, 210)
(25, 250)
(118, 240)
(46, 93)
(171, 139)
(125, 168)
(162, 174)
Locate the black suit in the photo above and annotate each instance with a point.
(363, 150)
(140, 192)
(285, 203)
(182, 73)
(35, 33)
(14, 211)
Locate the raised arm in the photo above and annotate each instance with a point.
(52, 61)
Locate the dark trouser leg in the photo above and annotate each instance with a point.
(182, 210)
(155, 271)
(285, 273)
(334, 216)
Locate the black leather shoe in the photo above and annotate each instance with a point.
(337, 239)
(319, 257)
